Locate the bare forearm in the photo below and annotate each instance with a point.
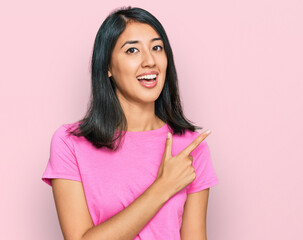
(129, 222)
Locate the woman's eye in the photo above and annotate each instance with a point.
(130, 50)
(160, 47)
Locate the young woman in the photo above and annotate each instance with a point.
(134, 167)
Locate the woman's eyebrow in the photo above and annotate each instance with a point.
(136, 41)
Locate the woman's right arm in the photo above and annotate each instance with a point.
(76, 223)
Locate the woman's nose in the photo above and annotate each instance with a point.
(148, 59)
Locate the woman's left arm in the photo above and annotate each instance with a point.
(194, 216)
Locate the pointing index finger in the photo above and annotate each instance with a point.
(195, 143)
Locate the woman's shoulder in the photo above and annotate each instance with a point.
(70, 126)
(65, 129)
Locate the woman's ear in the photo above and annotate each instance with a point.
(109, 71)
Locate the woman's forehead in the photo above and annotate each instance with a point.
(136, 31)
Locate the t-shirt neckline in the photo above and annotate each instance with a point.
(162, 129)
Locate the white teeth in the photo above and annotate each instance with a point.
(147, 76)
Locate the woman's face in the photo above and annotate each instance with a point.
(138, 51)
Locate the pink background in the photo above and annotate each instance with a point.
(240, 71)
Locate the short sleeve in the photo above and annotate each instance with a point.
(205, 174)
(62, 161)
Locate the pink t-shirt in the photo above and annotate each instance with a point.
(113, 180)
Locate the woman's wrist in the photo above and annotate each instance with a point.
(159, 189)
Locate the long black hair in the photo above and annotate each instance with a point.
(105, 113)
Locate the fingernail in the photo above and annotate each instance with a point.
(169, 135)
(208, 131)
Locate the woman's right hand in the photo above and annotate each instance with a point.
(176, 172)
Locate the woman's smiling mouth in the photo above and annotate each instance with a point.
(148, 81)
